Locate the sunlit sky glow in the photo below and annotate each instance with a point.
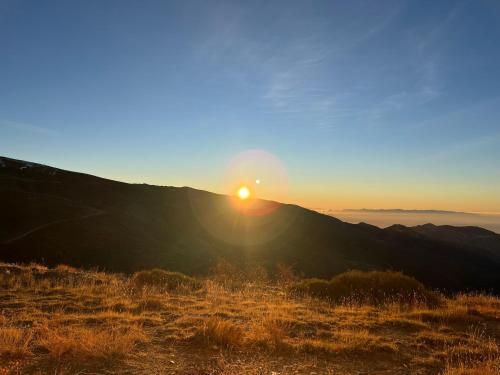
(375, 104)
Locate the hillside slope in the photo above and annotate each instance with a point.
(55, 216)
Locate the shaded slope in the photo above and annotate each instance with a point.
(90, 221)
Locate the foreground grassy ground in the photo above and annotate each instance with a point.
(65, 321)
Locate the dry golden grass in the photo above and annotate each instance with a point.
(77, 345)
(349, 341)
(66, 321)
(480, 368)
(218, 332)
(14, 342)
(270, 331)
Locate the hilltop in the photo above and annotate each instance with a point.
(55, 216)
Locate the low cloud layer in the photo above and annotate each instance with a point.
(384, 218)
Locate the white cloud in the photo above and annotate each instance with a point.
(26, 127)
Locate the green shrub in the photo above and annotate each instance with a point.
(165, 280)
(374, 288)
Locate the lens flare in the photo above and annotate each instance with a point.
(261, 172)
(249, 213)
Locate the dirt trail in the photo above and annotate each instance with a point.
(51, 223)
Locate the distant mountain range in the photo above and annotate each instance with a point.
(403, 211)
(55, 216)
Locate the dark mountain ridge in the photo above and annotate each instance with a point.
(55, 216)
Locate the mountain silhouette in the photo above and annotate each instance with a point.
(55, 216)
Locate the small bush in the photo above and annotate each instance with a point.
(164, 280)
(286, 275)
(374, 288)
(238, 276)
(227, 274)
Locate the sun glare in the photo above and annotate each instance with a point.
(243, 193)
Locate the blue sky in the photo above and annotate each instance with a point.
(366, 103)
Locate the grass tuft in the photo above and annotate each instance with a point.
(15, 342)
(218, 332)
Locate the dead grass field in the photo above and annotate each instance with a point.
(65, 321)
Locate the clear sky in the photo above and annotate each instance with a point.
(376, 104)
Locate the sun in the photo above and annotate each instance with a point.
(243, 192)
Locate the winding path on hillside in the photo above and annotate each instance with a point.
(55, 222)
